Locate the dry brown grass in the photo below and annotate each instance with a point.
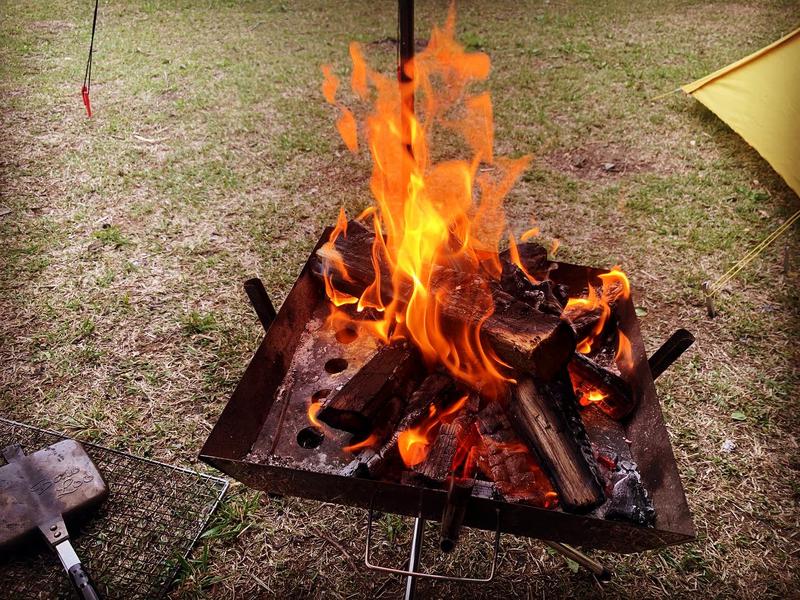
(212, 158)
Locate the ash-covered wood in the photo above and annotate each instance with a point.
(545, 417)
(628, 499)
(504, 458)
(521, 335)
(354, 407)
(619, 399)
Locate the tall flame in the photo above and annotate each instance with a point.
(431, 213)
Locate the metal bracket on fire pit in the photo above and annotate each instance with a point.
(416, 546)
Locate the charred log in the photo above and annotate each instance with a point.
(545, 416)
(618, 399)
(533, 258)
(543, 294)
(436, 388)
(438, 464)
(450, 449)
(355, 406)
(522, 336)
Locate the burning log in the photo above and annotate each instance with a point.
(436, 388)
(522, 336)
(458, 435)
(354, 407)
(439, 462)
(597, 385)
(504, 459)
(585, 321)
(545, 416)
(543, 295)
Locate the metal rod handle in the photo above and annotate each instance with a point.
(413, 570)
(413, 560)
(601, 572)
(260, 301)
(669, 352)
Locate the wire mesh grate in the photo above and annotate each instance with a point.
(133, 544)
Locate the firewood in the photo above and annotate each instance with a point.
(544, 414)
(544, 295)
(503, 458)
(618, 398)
(522, 336)
(436, 388)
(439, 461)
(354, 407)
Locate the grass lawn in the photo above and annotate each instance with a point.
(212, 158)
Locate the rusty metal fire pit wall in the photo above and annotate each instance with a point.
(259, 441)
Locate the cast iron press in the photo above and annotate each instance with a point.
(38, 490)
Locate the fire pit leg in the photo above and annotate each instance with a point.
(413, 559)
(597, 569)
(260, 301)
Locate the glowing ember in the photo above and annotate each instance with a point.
(590, 397)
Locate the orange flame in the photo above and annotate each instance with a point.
(615, 285)
(414, 443)
(515, 259)
(624, 355)
(532, 232)
(313, 411)
(431, 214)
(554, 246)
(371, 441)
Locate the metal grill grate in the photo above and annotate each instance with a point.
(133, 544)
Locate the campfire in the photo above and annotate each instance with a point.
(482, 361)
(427, 363)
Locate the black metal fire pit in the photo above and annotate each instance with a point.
(261, 439)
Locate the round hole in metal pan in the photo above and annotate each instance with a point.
(310, 437)
(336, 365)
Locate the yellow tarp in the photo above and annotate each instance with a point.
(759, 98)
